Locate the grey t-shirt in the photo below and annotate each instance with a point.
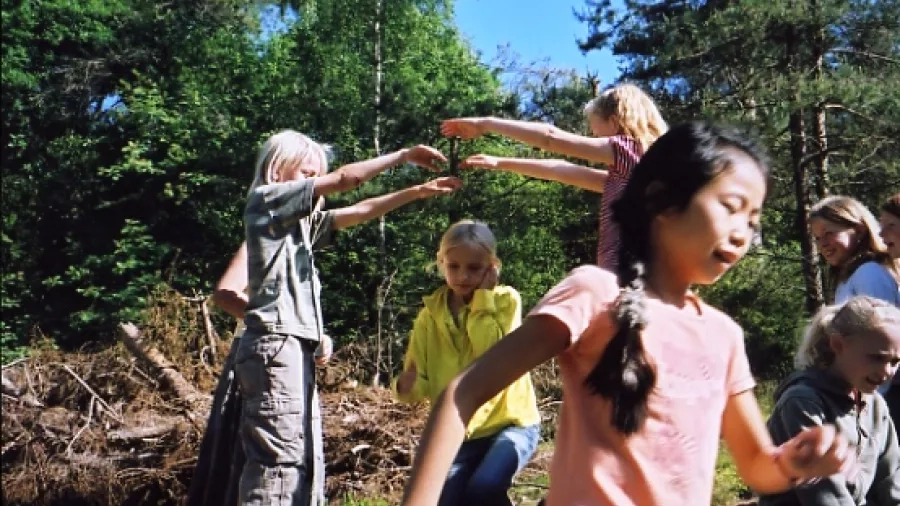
(282, 227)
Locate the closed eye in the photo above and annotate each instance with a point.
(732, 206)
(885, 358)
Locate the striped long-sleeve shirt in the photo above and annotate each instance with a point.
(626, 154)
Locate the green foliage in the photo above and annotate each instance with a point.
(811, 79)
(131, 131)
(353, 501)
(103, 203)
(117, 285)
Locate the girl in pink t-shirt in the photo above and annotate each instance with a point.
(625, 122)
(652, 376)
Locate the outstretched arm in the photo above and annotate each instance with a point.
(351, 176)
(561, 171)
(536, 341)
(230, 294)
(377, 206)
(540, 135)
(816, 452)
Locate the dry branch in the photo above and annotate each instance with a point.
(210, 332)
(106, 407)
(149, 432)
(87, 423)
(171, 378)
(10, 388)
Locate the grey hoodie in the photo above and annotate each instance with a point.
(815, 397)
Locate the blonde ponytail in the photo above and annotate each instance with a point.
(858, 316)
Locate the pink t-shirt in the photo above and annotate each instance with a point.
(700, 361)
(626, 154)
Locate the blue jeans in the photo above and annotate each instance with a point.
(483, 470)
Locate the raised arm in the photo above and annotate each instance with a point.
(561, 171)
(540, 135)
(496, 311)
(351, 176)
(230, 294)
(536, 341)
(377, 206)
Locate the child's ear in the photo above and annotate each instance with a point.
(837, 343)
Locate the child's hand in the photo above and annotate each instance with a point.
(407, 379)
(467, 128)
(489, 281)
(424, 156)
(439, 186)
(485, 161)
(324, 351)
(817, 452)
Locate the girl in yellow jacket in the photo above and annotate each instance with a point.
(459, 322)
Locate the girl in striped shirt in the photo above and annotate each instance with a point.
(624, 121)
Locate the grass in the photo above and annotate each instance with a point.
(729, 489)
(352, 501)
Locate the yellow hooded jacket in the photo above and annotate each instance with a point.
(441, 350)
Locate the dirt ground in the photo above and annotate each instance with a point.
(98, 429)
(122, 425)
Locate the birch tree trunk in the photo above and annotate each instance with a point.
(381, 300)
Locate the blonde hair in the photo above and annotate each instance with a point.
(284, 149)
(859, 315)
(892, 205)
(469, 232)
(851, 213)
(634, 112)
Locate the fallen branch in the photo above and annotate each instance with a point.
(210, 332)
(90, 460)
(106, 407)
(153, 431)
(15, 362)
(87, 423)
(10, 388)
(171, 378)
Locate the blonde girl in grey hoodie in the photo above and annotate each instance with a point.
(847, 352)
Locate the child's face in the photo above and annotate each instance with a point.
(464, 267)
(717, 228)
(836, 242)
(311, 166)
(890, 233)
(866, 361)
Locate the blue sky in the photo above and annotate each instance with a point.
(534, 29)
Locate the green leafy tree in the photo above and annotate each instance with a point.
(810, 77)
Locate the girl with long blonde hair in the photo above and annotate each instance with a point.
(848, 237)
(624, 122)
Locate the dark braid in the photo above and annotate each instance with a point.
(624, 375)
(668, 176)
